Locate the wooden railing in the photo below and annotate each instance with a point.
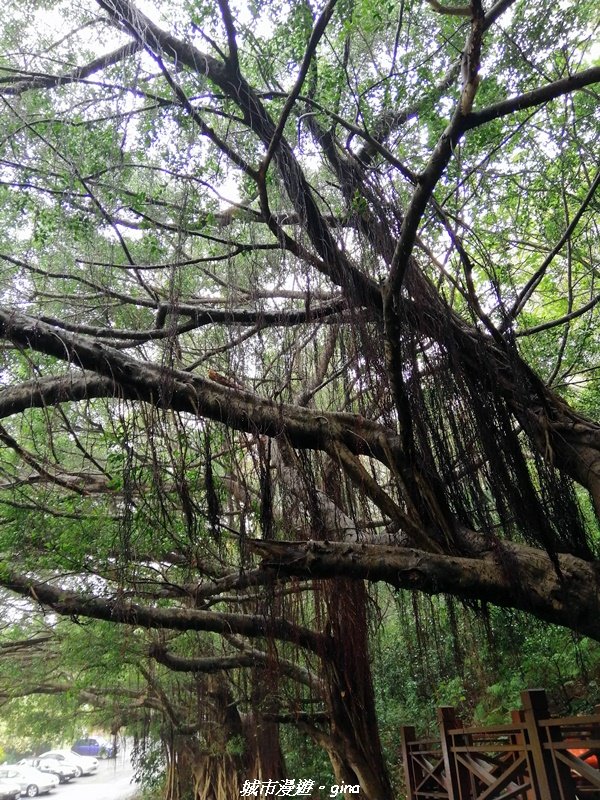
(534, 757)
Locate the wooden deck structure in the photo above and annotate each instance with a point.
(534, 757)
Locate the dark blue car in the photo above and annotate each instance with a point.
(99, 748)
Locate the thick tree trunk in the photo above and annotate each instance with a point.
(355, 754)
(242, 746)
(264, 757)
(179, 771)
(217, 776)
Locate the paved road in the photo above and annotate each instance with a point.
(111, 782)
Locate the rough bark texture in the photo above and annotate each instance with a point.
(509, 575)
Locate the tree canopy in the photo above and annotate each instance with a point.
(297, 298)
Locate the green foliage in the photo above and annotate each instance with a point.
(480, 669)
(303, 758)
(34, 724)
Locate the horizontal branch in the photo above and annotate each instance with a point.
(534, 98)
(69, 603)
(22, 84)
(250, 657)
(554, 323)
(453, 11)
(53, 390)
(507, 575)
(200, 317)
(120, 375)
(205, 664)
(204, 316)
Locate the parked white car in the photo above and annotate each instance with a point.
(31, 780)
(85, 764)
(63, 770)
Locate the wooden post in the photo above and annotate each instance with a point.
(549, 779)
(407, 732)
(457, 782)
(518, 717)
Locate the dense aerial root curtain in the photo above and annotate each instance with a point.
(481, 456)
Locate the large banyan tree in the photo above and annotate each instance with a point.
(296, 298)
